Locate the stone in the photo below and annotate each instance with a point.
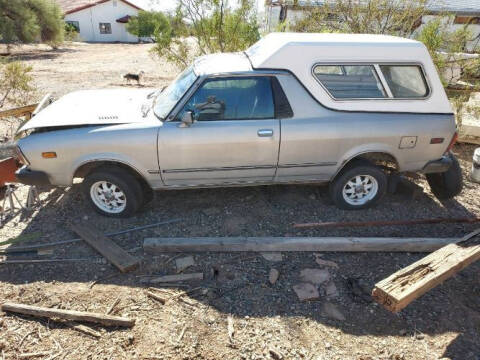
(315, 276)
(272, 256)
(211, 211)
(330, 310)
(322, 262)
(331, 290)
(184, 262)
(273, 276)
(306, 291)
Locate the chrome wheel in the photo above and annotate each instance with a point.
(360, 189)
(108, 197)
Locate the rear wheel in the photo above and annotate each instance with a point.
(359, 186)
(113, 192)
(448, 184)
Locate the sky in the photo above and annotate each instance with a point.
(169, 5)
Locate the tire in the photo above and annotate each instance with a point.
(448, 184)
(372, 187)
(124, 191)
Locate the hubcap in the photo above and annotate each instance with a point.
(108, 197)
(360, 189)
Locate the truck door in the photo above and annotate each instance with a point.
(234, 140)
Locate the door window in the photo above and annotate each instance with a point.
(244, 98)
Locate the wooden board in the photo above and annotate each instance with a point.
(408, 284)
(38, 311)
(174, 278)
(111, 251)
(347, 244)
(20, 111)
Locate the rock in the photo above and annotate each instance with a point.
(315, 276)
(322, 262)
(211, 211)
(184, 262)
(272, 256)
(312, 197)
(306, 291)
(403, 332)
(330, 310)
(331, 290)
(273, 276)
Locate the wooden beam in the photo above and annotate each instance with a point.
(408, 284)
(110, 250)
(173, 278)
(19, 111)
(245, 244)
(37, 311)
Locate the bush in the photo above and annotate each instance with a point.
(16, 84)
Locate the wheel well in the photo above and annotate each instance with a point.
(384, 160)
(87, 168)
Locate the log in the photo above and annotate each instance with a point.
(408, 284)
(37, 311)
(110, 250)
(179, 277)
(469, 220)
(321, 244)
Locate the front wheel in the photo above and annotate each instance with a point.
(358, 187)
(113, 192)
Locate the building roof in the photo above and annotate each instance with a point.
(462, 7)
(71, 6)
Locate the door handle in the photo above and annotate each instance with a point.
(265, 132)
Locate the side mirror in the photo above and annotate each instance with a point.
(187, 119)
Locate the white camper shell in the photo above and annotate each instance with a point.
(301, 53)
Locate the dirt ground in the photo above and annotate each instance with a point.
(269, 320)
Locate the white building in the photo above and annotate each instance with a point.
(462, 11)
(100, 20)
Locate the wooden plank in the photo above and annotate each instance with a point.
(19, 111)
(173, 278)
(111, 251)
(37, 311)
(408, 284)
(347, 244)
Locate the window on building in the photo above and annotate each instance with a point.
(105, 28)
(350, 81)
(243, 98)
(74, 24)
(405, 81)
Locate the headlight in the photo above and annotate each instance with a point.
(20, 156)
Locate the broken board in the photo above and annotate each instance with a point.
(408, 284)
(111, 251)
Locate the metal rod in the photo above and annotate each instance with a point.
(47, 245)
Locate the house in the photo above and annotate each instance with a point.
(463, 11)
(100, 20)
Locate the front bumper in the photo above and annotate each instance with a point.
(31, 177)
(438, 166)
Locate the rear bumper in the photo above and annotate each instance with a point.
(31, 177)
(438, 166)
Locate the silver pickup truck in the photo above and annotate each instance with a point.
(293, 108)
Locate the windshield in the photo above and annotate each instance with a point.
(169, 97)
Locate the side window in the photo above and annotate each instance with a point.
(242, 98)
(350, 81)
(405, 81)
(105, 28)
(75, 24)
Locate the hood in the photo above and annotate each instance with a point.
(93, 107)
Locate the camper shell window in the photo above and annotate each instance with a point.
(372, 81)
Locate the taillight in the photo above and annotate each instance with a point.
(452, 142)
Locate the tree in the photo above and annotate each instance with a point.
(208, 26)
(28, 21)
(147, 23)
(393, 17)
(16, 84)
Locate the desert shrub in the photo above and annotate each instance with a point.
(28, 21)
(71, 32)
(147, 23)
(16, 84)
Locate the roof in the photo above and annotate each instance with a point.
(299, 52)
(467, 7)
(71, 6)
(221, 63)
